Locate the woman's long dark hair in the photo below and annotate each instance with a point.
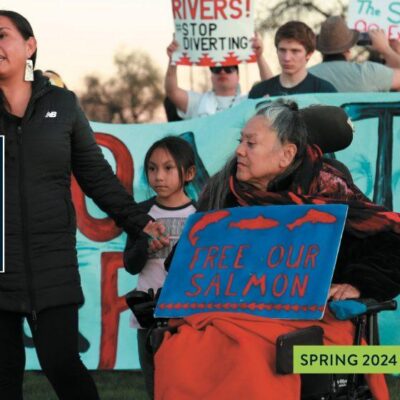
(23, 26)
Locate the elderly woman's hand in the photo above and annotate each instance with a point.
(343, 291)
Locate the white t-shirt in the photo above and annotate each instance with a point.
(153, 274)
(204, 104)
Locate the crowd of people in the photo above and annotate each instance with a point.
(295, 43)
(279, 158)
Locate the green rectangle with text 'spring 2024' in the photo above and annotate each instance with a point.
(346, 359)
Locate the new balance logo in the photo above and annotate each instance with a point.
(51, 114)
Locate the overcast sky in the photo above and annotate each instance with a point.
(76, 37)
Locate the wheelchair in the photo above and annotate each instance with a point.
(363, 313)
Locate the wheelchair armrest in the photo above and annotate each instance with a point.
(374, 307)
(351, 308)
(157, 335)
(312, 335)
(142, 304)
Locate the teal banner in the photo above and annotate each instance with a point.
(107, 341)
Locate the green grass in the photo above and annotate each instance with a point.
(124, 385)
(112, 385)
(394, 386)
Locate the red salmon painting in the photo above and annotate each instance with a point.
(314, 217)
(255, 223)
(203, 222)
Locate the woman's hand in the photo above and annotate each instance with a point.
(158, 237)
(342, 291)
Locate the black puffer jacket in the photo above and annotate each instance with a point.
(52, 140)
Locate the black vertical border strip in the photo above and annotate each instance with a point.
(2, 255)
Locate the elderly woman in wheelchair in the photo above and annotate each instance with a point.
(232, 355)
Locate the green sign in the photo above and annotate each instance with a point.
(346, 359)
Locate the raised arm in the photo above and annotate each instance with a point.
(177, 95)
(381, 44)
(263, 67)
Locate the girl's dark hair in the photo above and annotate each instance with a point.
(180, 150)
(23, 26)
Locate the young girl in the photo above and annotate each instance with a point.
(169, 165)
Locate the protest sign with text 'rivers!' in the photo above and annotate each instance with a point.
(272, 261)
(213, 33)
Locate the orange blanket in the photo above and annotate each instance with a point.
(218, 356)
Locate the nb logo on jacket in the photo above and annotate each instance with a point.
(51, 114)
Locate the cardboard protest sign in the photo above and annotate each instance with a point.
(272, 261)
(375, 14)
(213, 33)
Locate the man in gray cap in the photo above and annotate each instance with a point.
(335, 42)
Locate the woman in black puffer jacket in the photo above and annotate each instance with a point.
(47, 139)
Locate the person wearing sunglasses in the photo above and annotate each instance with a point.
(225, 91)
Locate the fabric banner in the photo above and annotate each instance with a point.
(375, 14)
(212, 33)
(107, 340)
(270, 261)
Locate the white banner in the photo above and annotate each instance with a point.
(213, 33)
(375, 14)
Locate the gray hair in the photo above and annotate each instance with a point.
(283, 117)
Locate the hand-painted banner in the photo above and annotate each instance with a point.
(271, 261)
(106, 339)
(375, 14)
(212, 32)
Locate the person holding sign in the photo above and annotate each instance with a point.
(217, 355)
(295, 44)
(335, 42)
(225, 91)
(47, 138)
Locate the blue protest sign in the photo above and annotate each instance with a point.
(272, 261)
